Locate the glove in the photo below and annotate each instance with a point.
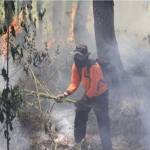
(61, 96)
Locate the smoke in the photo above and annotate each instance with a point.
(15, 73)
(132, 30)
(129, 103)
(19, 139)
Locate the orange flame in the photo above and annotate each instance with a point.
(16, 24)
(3, 39)
(71, 36)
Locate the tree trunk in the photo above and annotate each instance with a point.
(107, 48)
(9, 9)
(80, 30)
(57, 20)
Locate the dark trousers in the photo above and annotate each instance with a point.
(100, 106)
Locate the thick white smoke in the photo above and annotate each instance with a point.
(132, 21)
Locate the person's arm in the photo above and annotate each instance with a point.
(95, 76)
(74, 84)
(75, 80)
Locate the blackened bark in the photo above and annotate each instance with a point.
(106, 43)
(9, 9)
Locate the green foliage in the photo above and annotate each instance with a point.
(15, 52)
(4, 74)
(10, 102)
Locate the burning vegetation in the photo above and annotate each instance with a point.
(44, 60)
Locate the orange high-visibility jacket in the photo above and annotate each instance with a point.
(93, 83)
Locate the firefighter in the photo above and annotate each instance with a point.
(89, 73)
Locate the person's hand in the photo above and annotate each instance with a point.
(61, 96)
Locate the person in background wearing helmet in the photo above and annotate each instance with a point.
(89, 73)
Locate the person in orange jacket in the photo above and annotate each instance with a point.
(90, 74)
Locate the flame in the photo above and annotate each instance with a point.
(71, 36)
(3, 39)
(16, 24)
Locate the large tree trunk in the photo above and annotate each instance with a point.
(106, 43)
(57, 20)
(80, 30)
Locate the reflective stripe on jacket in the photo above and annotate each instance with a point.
(93, 83)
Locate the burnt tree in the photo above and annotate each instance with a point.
(9, 8)
(107, 48)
